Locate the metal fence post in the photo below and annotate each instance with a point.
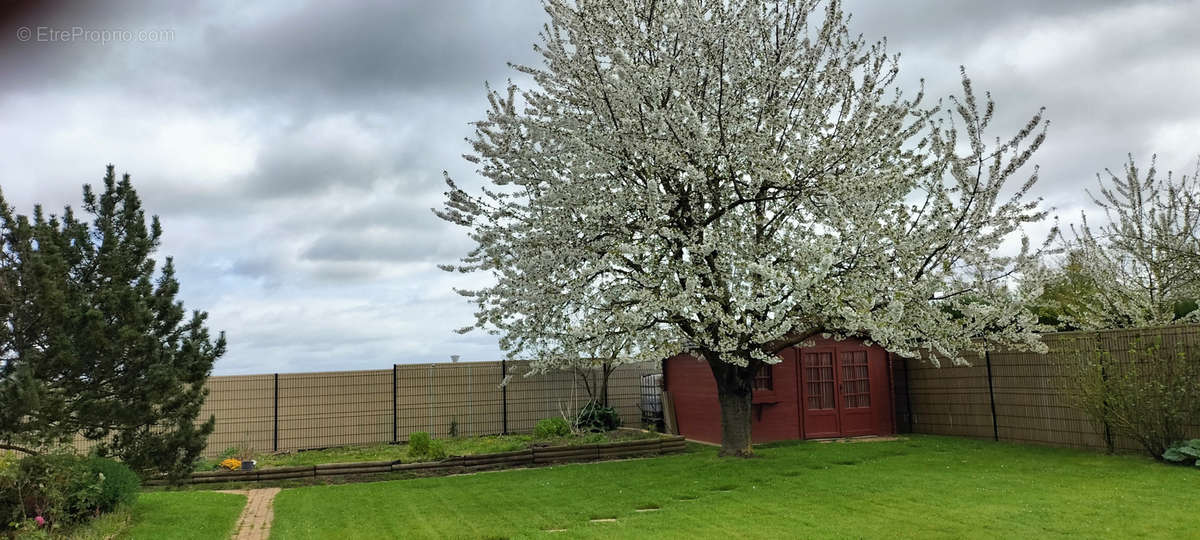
(395, 421)
(908, 394)
(504, 396)
(275, 437)
(987, 355)
(1103, 360)
(470, 403)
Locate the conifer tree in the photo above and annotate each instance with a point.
(94, 342)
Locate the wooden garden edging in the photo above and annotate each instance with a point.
(520, 458)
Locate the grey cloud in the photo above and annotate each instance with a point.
(1110, 73)
(393, 246)
(294, 149)
(257, 266)
(404, 146)
(329, 151)
(403, 209)
(344, 51)
(944, 26)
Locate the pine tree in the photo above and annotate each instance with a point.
(94, 342)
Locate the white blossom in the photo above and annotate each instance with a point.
(1146, 258)
(731, 179)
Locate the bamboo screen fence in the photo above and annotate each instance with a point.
(1023, 396)
(1002, 395)
(296, 411)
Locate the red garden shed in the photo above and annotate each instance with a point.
(831, 389)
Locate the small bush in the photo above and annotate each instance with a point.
(1148, 395)
(39, 486)
(437, 450)
(1184, 452)
(551, 427)
(119, 483)
(422, 446)
(592, 438)
(418, 444)
(597, 417)
(63, 488)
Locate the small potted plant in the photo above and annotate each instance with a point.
(245, 454)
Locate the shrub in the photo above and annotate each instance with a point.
(437, 450)
(1149, 394)
(418, 444)
(119, 483)
(230, 452)
(39, 486)
(551, 427)
(63, 488)
(1184, 452)
(8, 461)
(597, 417)
(8, 490)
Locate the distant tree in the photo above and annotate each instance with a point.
(1069, 294)
(93, 343)
(730, 180)
(1144, 263)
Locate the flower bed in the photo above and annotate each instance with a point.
(533, 456)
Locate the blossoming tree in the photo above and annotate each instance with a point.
(1144, 262)
(730, 179)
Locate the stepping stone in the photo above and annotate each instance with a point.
(603, 520)
(554, 530)
(647, 510)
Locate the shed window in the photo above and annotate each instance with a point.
(820, 377)
(763, 379)
(856, 380)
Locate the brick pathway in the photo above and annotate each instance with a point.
(255, 522)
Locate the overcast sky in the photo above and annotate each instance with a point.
(293, 149)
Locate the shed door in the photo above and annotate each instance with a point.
(836, 393)
(819, 395)
(854, 389)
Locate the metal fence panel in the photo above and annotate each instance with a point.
(296, 411)
(1029, 390)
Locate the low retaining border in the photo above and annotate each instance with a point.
(520, 458)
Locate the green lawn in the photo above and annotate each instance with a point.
(185, 515)
(918, 487)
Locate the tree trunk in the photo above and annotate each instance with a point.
(735, 388)
(606, 369)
